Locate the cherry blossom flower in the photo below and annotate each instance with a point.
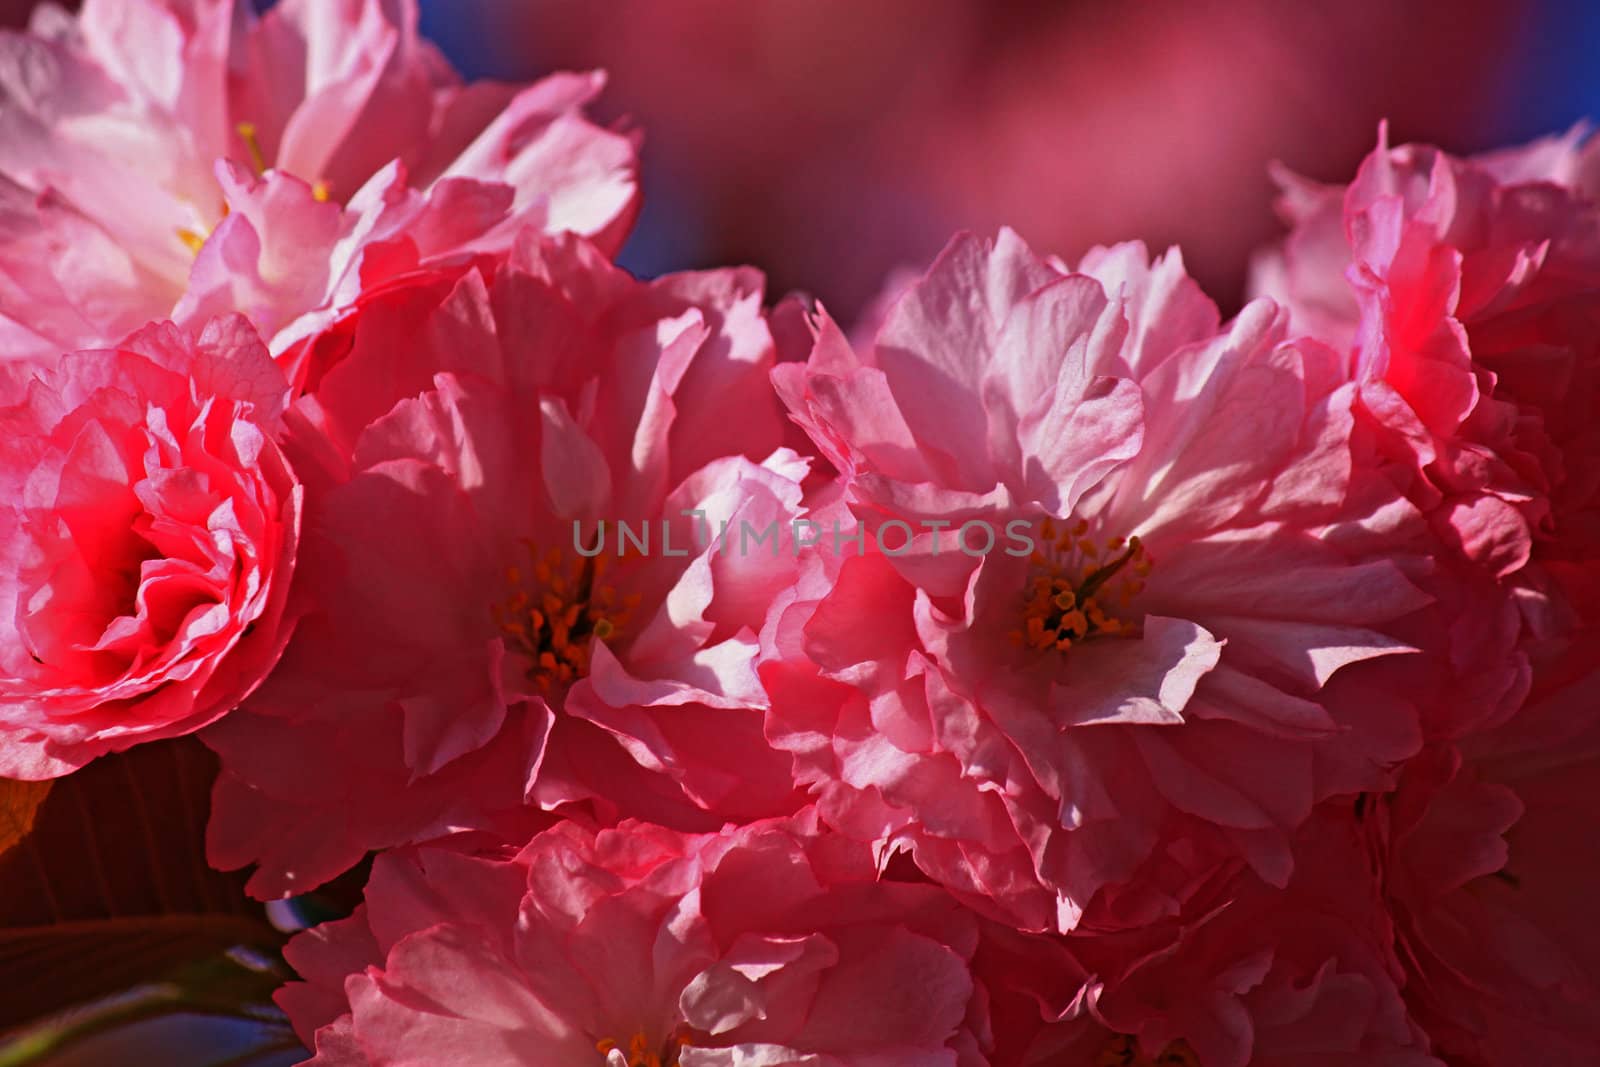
(641, 947)
(1198, 649)
(1492, 897)
(185, 158)
(1463, 292)
(480, 637)
(146, 544)
(1255, 974)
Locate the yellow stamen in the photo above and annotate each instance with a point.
(252, 144)
(193, 240)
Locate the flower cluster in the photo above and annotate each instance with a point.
(1048, 672)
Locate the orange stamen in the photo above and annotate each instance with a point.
(1067, 603)
(554, 608)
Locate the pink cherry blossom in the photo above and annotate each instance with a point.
(642, 947)
(146, 543)
(464, 654)
(184, 158)
(1462, 290)
(1254, 975)
(1491, 884)
(1199, 650)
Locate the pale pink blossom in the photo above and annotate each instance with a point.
(147, 540)
(463, 656)
(183, 158)
(1200, 649)
(642, 947)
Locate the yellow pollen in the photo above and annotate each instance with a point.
(321, 191)
(1072, 592)
(194, 240)
(552, 622)
(1122, 1050)
(252, 144)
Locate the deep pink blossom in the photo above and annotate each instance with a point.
(1166, 687)
(464, 657)
(147, 540)
(1463, 292)
(1254, 975)
(183, 158)
(641, 947)
(1491, 882)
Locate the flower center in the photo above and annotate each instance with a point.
(195, 239)
(1122, 1050)
(555, 606)
(640, 1054)
(1076, 583)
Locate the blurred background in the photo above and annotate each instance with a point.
(832, 141)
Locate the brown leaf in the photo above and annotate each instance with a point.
(19, 806)
(123, 837)
(110, 892)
